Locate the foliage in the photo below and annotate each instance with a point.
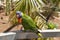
(32, 8)
(51, 25)
(7, 7)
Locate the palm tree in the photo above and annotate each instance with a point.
(51, 6)
(8, 6)
(27, 6)
(35, 8)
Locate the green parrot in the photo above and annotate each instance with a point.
(26, 21)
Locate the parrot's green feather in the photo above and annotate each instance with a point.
(28, 23)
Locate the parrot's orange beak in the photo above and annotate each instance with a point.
(20, 20)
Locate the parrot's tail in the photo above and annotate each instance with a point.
(38, 33)
(36, 30)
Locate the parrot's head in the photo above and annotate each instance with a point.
(19, 14)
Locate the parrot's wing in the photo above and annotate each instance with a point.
(28, 22)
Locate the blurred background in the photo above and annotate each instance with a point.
(41, 11)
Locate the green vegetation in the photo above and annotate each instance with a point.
(39, 10)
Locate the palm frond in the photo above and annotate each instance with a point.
(7, 7)
(26, 6)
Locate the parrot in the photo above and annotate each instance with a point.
(26, 21)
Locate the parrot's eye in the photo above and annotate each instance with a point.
(19, 14)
